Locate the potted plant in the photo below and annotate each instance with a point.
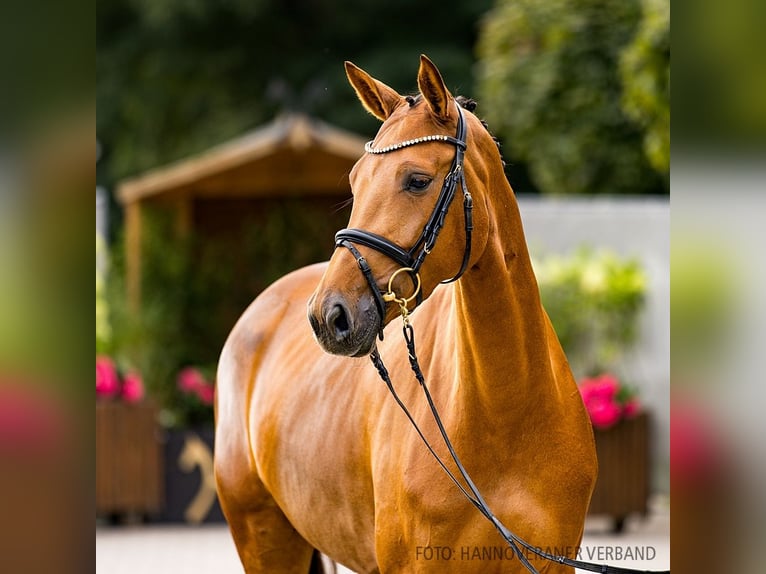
(190, 483)
(594, 299)
(128, 451)
(620, 427)
(165, 335)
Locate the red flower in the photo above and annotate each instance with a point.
(698, 452)
(206, 394)
(33, 420)
(601, 398)
(603, 414)
(190, 380)
(602, 388)
(132, 388)
(107, 380)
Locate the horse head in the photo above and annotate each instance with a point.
(410, 188)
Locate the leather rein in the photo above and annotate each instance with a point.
(411, 261)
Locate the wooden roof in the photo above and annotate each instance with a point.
(293, 155)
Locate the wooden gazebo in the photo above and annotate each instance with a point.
(294, 156)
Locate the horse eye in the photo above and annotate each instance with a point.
(418, 183)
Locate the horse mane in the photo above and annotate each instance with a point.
(467, 104)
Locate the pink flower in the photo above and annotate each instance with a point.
(599, 395)
(603, 388)
(190, 380)
(603, 414)
(698, 452)
(33, 420)
(107, 381)
(132, 388)
(631, 408)
(206, 394)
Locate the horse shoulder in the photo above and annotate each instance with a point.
(579, 455)
(260, 327)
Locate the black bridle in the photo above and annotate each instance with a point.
(412, 259)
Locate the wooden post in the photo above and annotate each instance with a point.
(133, 254)
(184, 216)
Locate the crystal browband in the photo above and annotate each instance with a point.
(368, 147)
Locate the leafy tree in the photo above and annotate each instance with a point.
(722, 82)
(177, 76)
(645, 69)
(550, 84)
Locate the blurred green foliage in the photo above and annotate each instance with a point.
(720, 87)
(594, 299)
(645, 70)
(154, 339)
(550, 83)
(703, 303)
(103, 327)
(177, 76)
(194, 289)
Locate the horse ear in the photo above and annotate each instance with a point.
(432, 87)
(376, 97)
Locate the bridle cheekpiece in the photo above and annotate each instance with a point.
(411, 260)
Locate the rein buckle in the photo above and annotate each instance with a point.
(390, 296)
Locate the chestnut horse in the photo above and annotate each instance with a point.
(313, 454)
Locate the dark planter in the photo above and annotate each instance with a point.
(128, 460)
(190, 495)
(622, 487)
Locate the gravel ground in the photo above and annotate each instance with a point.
(159, 549)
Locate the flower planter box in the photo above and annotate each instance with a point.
(190, 495)
(128, 459)
(622, 487)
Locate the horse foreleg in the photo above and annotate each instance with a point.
(266, 541)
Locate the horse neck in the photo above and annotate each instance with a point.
(502, 329)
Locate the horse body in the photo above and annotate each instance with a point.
(313, 453)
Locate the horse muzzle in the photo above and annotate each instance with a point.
(343, 328)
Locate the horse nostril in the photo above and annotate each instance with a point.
(337, 319)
